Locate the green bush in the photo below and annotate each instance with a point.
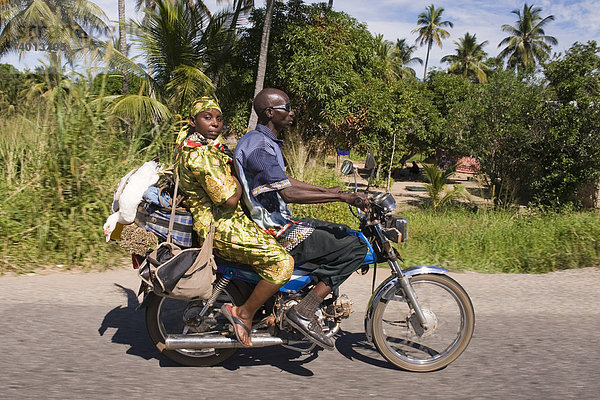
(502, 241)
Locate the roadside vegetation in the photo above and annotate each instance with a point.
(535, 241)
(68, 134)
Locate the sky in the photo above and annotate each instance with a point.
(575, 20)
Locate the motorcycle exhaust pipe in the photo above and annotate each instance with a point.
(177, 342)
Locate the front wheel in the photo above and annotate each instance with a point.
(399, 337)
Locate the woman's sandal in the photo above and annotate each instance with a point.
(226, 311)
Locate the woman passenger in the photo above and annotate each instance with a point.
(213, 194)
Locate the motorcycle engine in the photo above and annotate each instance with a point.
(340, 308)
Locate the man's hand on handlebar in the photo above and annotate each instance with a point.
(358, 200)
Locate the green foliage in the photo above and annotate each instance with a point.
(502, 241)
(61, 155)
(436, 188)
(504, 133)
(527, 43)
(111, 83)
(12, 82)
(63, 25)
(469, 60)
(179, 39)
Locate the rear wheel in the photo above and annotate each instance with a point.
(399, 337)
(164, 316)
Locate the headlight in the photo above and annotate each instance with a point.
(385, 202)
(395, 229)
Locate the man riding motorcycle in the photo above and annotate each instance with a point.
(266, 192)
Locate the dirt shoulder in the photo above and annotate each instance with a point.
(409, 189)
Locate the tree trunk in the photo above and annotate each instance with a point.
(262, 60)
(389, 179)
(330, 4)
(123, 43)
(426, 61)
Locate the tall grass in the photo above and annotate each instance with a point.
(307, 164)
(502, 241)
(459, 239)
(61, 153)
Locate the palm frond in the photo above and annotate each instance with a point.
(138, 108)
(187, 84)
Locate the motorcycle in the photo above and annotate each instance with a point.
(419, 318)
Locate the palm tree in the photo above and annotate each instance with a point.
(402, 58)
(469, 59)
(262, 59)
(177, 36)
(527, 43)
(54, 24)
(384, 53)
(430, 30)
(436, 186)
(123, 42)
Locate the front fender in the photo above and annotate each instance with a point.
(389, 287)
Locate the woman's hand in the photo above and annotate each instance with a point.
(233, 200)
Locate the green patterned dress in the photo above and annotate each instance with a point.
(205, 177)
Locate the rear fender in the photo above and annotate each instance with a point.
(388, 288)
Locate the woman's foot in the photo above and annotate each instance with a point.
(240, 324)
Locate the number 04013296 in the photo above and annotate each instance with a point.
(42, 46)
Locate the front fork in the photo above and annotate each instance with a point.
(403, 280)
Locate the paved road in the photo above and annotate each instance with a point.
(77, 336)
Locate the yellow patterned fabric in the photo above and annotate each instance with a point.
(203, 103)
(205, 177)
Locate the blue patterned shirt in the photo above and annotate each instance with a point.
(261, 170)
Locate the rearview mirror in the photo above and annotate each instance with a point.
(347, 167)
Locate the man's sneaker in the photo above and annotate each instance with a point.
(311, 328)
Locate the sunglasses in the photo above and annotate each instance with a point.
(287, 107)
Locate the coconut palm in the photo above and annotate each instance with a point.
(431, 30)
(527, 43)
(402, 58)
(469, 59)
(123, 41)
(436, 186)
(177, 37)
(384, 53)
(262, 59)
(54, 24)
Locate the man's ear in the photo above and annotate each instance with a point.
(268, 113)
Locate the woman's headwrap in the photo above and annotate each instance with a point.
(203, 103)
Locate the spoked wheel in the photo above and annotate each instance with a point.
(165, 316)
(399, 337)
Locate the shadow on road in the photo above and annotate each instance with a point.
(130, 328)
(285, 359)
(354, 346)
